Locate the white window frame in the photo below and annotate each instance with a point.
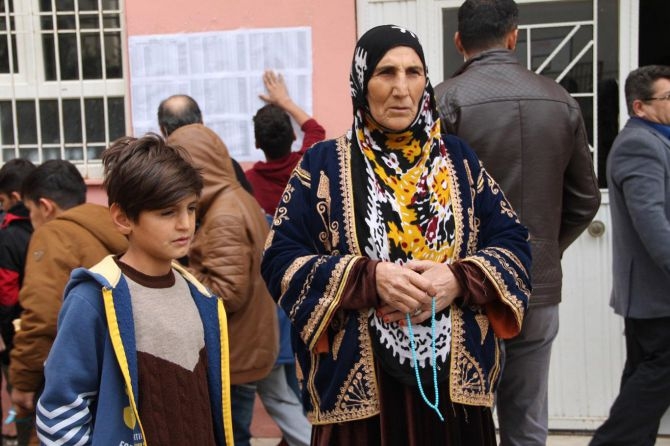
(30, 83)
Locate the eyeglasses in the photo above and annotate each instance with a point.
(662, 98)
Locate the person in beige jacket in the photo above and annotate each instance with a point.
(69, 233)
(225, 256)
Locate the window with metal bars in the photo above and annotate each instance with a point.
(62, 92)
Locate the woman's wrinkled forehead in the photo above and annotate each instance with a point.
(371, 48)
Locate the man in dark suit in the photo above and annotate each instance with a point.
(638, 174)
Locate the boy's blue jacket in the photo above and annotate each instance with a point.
(91, 394)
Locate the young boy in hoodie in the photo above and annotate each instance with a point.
(141, 354)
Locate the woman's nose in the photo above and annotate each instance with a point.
(401, 86)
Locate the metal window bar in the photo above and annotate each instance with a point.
(9, 29)
(590, 45)
(80, 70)
(54, 31)
(8, 21)
(103, 57)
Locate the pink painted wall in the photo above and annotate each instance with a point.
(333, 25)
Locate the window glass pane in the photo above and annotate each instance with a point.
(92, 56)
(8, 154)
(47, 22)
(110, 4)
(543, 44)
(88, 5)
(608, 85)
(6, 123)
(45, 5)
(64, 5)
(65, 22)
(116, 115)
(113, 59)
(27, 122)
(4, 54)
(94, 152)
(75, 153)
(32, 155)
(95, 120)
(71, 120)
(49, 122)
(89, 21)
(10, 3)
(7, 39)
(586, 104)
(49, 57)
(69, 63)
(50, 153)
(111, 21)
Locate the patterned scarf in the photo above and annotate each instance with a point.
(408, 212)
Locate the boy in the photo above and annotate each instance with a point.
(14, 237)
(68, 233)
(15, 232)
(141, 354)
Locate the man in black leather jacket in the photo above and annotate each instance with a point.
(529, 134)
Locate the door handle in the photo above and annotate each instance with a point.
(596, 228)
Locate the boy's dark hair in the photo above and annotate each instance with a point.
(483, 24)
(57, 180)
(177, 111)
(273, 131)
(148, 174)
(640, 83)
(12, 174)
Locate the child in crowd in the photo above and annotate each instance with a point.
(141, 354)
(15, 232)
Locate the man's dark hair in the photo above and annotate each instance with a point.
(146, 173)
(57, 180)
(640, 83)
(177, 111)
(483, 24)
(273, 131)
(12, 174)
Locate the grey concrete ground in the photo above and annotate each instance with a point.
(554, 440)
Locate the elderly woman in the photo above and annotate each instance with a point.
(400, 264)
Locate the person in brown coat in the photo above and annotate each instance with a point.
(69, 233)
(225, 256)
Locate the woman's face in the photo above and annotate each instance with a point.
(396, 88)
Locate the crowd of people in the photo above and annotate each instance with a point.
(393, 285)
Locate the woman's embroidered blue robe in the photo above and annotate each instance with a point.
(309, 255)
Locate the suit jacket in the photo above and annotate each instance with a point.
(638, 174)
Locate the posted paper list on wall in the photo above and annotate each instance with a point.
(223, 72)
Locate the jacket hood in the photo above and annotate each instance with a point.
(107, 273)
(93, 218)
(18, 212)
(210, 154)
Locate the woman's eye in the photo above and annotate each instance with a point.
(384, 72)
